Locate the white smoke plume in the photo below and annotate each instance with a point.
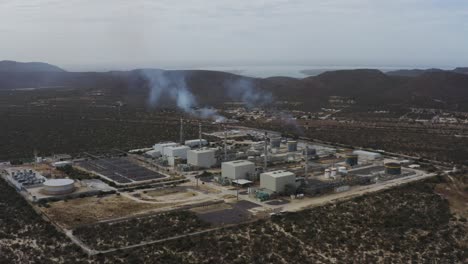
(244, 89)
(173, 85)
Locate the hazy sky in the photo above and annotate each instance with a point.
(123, 34)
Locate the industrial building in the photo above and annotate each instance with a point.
(58, 186)
(367, 155)
(176, 151)
(202, 158)
(153, 153)
(160, 146)
(276, 181)
(196, 143)
(239, 169)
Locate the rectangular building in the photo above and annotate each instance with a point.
(202, 158)
(195, 143)
(160, 146)
(277, 180)
(177, 151)
(238, 169)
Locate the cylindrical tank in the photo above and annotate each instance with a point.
(292, 146)
(275, 142)
(342, 170)
(393, 168)
(310, 151)
(327, 173)
(352, 159)
(58, 186)
(333, 172)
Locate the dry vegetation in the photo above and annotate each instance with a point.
(410, 224)
(139, 230)
(92, 209)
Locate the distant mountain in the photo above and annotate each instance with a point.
(412, 73)
(463, 70)
(14, 66)
(430, 88)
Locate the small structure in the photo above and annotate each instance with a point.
(292, 146)
(195, 143)
(202, 158)
(61, 164)
(153, 153)
(367, 155)
(242, 182)
(275, 142)
(58, 186)
(238, 169)
(393, 168)
(176, 151)
(276, 181)
(352, 159)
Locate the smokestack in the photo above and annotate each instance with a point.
(306, 160)
(181, 131)
(266, 152)
(225, 144)
(199, 135)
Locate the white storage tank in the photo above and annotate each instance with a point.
(327, 173)
(58, 186)
(238, 169)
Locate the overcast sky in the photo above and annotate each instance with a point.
(122, 34)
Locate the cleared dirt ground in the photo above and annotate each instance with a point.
(93, 209)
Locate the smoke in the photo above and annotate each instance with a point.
(244, 89)
(173, 86)
(169, 84)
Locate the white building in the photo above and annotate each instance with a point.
(153, 153)
(367, 155)
(61, 164)
(277, 180)
(238, 169)
(196, 143)
(160, 146)
(176, 151)
(202, 158)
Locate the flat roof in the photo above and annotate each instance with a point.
(279, 173)
(203, 150)
(241, 181)
(177, 147)
(58, 182)
(239, 162)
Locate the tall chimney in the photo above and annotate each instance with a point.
(266, 152)
(199, 135)
(225, 144)
(306, 160)
(181, 131)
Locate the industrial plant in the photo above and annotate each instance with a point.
(226, 176)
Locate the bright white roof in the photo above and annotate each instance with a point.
(279, 173)
(241, 181)
(58, 182)
(202, 150)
